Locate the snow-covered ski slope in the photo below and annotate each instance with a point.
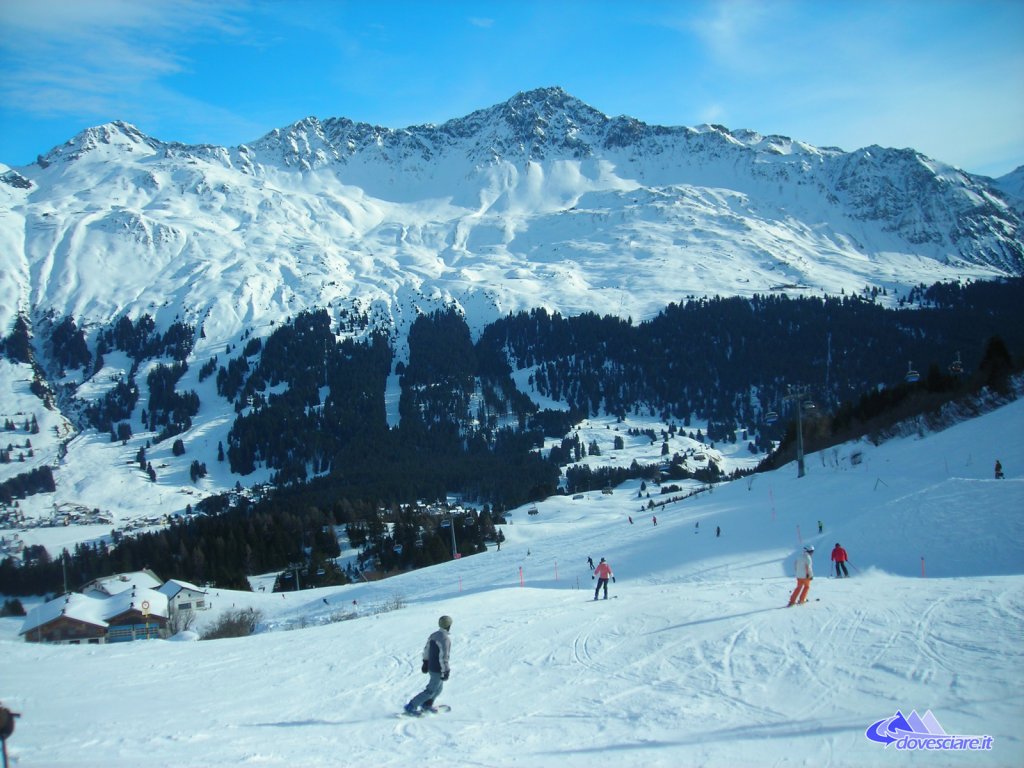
(695, 663)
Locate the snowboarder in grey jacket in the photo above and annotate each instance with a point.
(435, 662)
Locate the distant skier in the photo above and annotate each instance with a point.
(821, 528)
(590, 562)
(999, 470)
(804, 575)
(718, 531)
(839, 557)
(435, 662)
(603, 572)
(654, 519)
(630, 519)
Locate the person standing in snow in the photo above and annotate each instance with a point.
(999, 470)
(603, 573)
(804, 575)
(435, 662)
(839, 557)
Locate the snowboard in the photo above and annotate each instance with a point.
(424, 712)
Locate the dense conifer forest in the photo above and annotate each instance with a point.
(310, 406)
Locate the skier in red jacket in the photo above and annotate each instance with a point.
(839, 557)
(603, 573)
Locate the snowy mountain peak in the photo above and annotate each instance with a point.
(117, 136)
(549, 112)
(1013, 185)
(535, 124)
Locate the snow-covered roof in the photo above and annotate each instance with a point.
(173, 586)
(94, 609)
(147, 601)
(119, 582)
(80, 607)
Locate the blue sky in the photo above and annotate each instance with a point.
(942, 76)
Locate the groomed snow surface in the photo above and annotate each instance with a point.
(694, 661)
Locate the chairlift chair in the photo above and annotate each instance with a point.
(771, 417)
(956, 367)
(911, 375)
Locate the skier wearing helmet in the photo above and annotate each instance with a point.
(435, 662)
(804, 575)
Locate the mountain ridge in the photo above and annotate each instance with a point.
(492, 212)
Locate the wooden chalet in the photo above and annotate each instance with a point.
(134, 614)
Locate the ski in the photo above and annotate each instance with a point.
(803, 602)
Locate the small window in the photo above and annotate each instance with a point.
(184, 606)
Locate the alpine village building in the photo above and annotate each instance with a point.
(120, 608)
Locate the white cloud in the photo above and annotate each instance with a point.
(89, 59)
(711, 113)
(731, 31)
